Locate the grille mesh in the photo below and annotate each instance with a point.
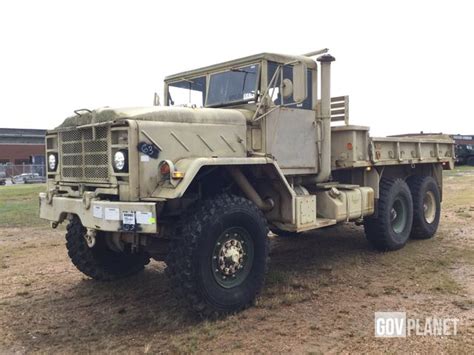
(84, 158)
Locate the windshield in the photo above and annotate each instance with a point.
(187, 92)
(237, 85)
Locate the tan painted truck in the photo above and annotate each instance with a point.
(239, 149)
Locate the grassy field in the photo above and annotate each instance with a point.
(19, 205)
(321, 292)
(459, 171)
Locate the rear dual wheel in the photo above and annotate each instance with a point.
(390, 227)
(405, 210)
(426, 206)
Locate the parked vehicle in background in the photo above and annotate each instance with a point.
(465, 154)
(240, 148)
(28, 178)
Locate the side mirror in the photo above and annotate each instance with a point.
(287, 88)
(300, 82)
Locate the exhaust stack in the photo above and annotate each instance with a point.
(325, 117)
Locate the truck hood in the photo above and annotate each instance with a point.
(160, 114)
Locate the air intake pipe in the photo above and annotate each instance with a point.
(325, 118)
(248, 190)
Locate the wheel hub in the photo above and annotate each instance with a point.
(429, 207)
(398, 215)
(232, 257)
(90, 237)
(393, 214)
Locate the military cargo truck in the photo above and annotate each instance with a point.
(239, 149)
(464, 149)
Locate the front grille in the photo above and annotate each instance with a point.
(85, 158)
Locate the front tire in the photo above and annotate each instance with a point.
(426, 206)
(218, 261)
(99, 262)
(390, 227)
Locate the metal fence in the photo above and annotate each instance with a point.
(9, 171)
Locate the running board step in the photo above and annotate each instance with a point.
(319, 223)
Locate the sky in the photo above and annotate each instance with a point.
(408, 66)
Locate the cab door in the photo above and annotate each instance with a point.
(290, 129)
(291, 139)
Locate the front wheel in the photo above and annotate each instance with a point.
(99, 262)
(218, 260)
(390, 227)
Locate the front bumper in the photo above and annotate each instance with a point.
(111, 216)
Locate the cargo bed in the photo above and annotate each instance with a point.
(352, 148)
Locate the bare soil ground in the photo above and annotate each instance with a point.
(321, 294)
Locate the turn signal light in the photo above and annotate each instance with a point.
(177, 175)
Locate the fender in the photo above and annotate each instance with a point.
(191, 166)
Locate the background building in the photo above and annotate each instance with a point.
(21, 151)
(464, 139)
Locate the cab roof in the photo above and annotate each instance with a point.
(274, 57)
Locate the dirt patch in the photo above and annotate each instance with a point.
(321, 294)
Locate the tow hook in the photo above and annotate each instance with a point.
(359, 222)
(87, 198)
(90, 237)
(50, 194)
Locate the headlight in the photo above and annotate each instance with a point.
(52, 162)
(121, 161)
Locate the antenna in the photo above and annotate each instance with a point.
(156, 100)
(315, 53)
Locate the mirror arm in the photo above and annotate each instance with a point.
(265, 94)
(281, 86)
